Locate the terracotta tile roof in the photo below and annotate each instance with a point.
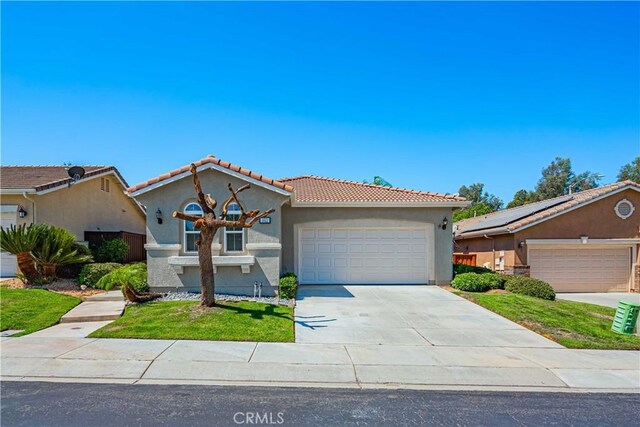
(531, 215)
(212, 160)
(309, 188)
(44, 177)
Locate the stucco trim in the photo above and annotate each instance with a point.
(243, 261)
(263, 246)
(162, 247)
(589, 242)
(204, 167)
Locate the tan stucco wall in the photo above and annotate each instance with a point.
(82, 207)
(483, 249)
(175, 196)
(597, 220)
(373, 217)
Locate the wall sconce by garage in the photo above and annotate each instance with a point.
(21, 212)
(159, 216)
(584, 239)
(521, 244)
(444, 224)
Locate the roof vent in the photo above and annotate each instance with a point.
(624, 209)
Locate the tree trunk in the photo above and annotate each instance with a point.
(207, 284)
(49, 270)
(27, 266)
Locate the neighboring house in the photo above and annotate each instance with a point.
(327, 231)
(581, 242)
(47, 195)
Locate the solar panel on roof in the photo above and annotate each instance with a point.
(508, 216)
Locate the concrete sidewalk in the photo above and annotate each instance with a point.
(69, 359)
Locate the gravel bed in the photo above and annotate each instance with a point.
(191, 296)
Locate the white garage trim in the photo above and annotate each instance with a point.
(631, 245)
(8, 262)
(425, 276)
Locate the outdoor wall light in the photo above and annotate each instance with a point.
(584, 239)
(21, 212)
(521, 244)
(444, 224)
(159, 216)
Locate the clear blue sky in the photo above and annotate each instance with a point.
(427, 95)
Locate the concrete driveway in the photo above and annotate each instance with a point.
(607, 299)
(403, 315)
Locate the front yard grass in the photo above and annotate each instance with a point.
(572, 324)
(32, 309)
(229, 321)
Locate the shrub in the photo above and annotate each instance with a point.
(56, 246)
(288, 285)
(71, 271)
(113, 250)
(134, 275)
(91, 273)
(529, 286)
(473, 282)
(462, 268)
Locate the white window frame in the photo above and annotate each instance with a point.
(235, 209)
(184, 226)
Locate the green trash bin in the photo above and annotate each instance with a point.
(626, 316)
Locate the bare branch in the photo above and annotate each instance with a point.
(202, 199)
(233, 198)
(185, 217)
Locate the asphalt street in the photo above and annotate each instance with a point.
(68, 404)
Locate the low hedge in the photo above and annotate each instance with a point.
(473, 282)
(288, 286)
(91, 273)
(134, 275)
(529, 286)
(463, 268)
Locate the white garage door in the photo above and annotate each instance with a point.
(582, 269)
(8, 266)
(362, 256)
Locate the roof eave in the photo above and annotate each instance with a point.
(202, 167)
(439, 204)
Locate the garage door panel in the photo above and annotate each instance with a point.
(363, 256)
(582, 269)
(8, 262)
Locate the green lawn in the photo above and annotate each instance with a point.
(572, 324)
(229, 321)
(32, 309)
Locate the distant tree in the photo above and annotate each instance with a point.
(630, 171)
(482, 203)
(522, 197)
(378, 180)
(557, 179)
(472, 211)
(475, 194)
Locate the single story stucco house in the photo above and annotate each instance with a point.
(97, 202)
(583, 242)
(327, 231)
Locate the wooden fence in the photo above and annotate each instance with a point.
(466, 259)
(135, 242)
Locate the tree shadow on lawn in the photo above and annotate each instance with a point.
(258, 313)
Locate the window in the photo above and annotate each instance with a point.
(624, 208)
(233, 236)
(190, 233)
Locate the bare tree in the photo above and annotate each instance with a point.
(209, 224)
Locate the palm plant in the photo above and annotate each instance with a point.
(20, 241)
(56, 247)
